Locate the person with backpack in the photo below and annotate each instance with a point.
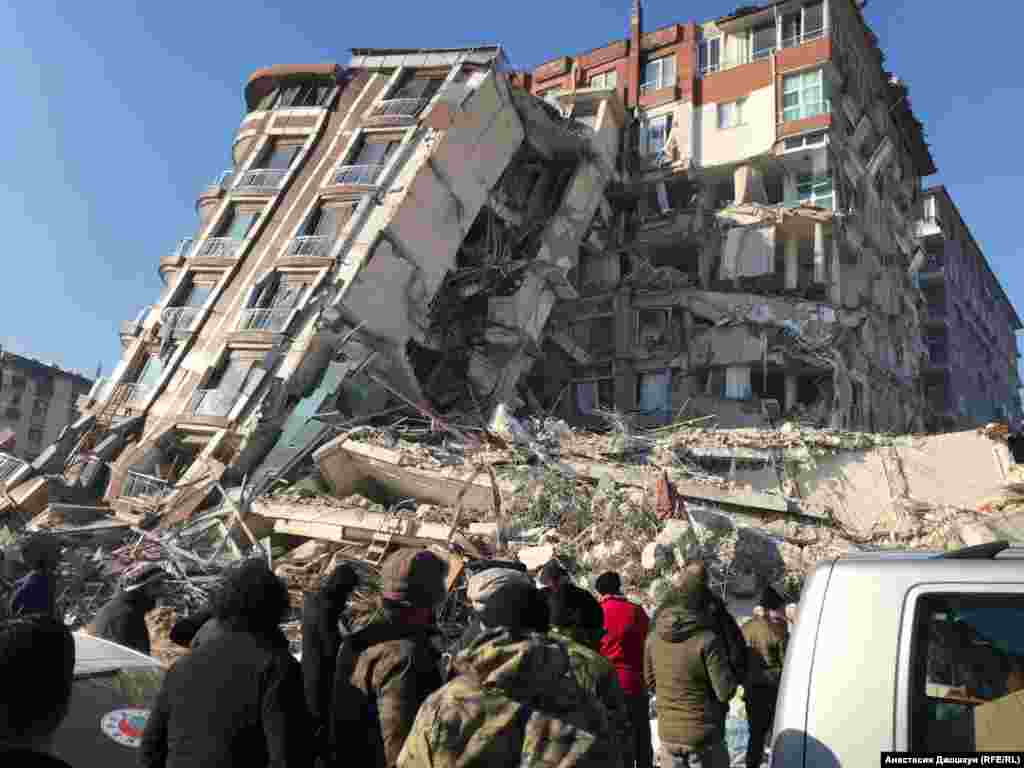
(686, 664)
(514, 701)
(385, 670)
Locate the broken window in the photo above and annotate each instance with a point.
(224, 386)
(804, 95)
(366, 162)
(654, 393)
(608, 79)
(652, 327)
(654, 133)
(709, 55)
(322, 229)
(420, 86)
(659, 73)
(730, 114)
(595, 395)
(737, 382)
(762, 41)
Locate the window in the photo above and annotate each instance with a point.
(149, 374)
(608, 79)
(418, 87)
(237, 223)
(803, 95)
(35, 436)
(224, 386)
(271, 301)
(710, 55)
(805, 24)
(308, 93)
(653, 394)
(730, 115)
(737, 382)
(595, 395)
(967, 672)
(279, 156)
(659, 73)
(322, 229)
(816, 190)
(762, 41)
(368, 160)
(806, 141)
(654, 133)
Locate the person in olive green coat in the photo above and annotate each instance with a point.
(686, 665)
(766, 635)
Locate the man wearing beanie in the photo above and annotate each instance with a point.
(384, 671)
(626, 625)
(514, 700)
(766, 635)
(686, 665)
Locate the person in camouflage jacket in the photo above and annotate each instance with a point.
(514, 702)
(577, 621)
(766, 636)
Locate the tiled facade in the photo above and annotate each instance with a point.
(970, 375)
(36, 402)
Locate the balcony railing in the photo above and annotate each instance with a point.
(399, 107)
(261, 180)
(273, 320)
(311, 245)
(179, 318)
(211, 402)
(184, 248)
(219, 248)
(135, 393)
(803, 111)
(358, 174)
(9, 465)
(138, 485)
(793, 42)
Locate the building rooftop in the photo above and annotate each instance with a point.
(34, 367)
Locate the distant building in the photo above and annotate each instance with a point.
(37, 401)
(970, 374)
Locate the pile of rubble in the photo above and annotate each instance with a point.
(762, 506)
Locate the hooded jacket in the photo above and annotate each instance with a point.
(514, 703)
(767, 642)
(686, 665)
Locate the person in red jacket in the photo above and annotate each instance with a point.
(625, 625)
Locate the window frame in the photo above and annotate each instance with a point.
(802, 105)
(704, 65)
(814, 194)
(737, 110)
(759, 54)
(603, 76)
(645, 133)
(803, 34)
(662, 80)
(357, 144)
(802, 138)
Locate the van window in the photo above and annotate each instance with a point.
(967, 678)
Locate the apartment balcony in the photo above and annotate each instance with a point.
(179, 318)
(130, 329)
(806, 37)
(260, 181)
(364, 175)
(218, 248)
(139, 486)
(315, 246)
(9, 465)
(269, 320)
(134, 393)
(211, 403)
(176, 258)
(391, 111)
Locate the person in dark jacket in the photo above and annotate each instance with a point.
(123, 619)
(766, 636)
(187, 629)
(626, 625)
(35, 592)
(385, 670)
(321, 613)
(686, 665)
(37, 667)
(237, 700)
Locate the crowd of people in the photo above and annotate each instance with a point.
(544, 676)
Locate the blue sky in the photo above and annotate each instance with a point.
(115, 119)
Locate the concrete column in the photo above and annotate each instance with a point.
(791, 387)
(837, 273)
(792, 263)
(820, 264)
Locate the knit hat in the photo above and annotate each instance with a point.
(608, 583)
(500, 597)
(414, 577)
(771, 600)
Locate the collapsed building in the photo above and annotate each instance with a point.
(760, 244)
